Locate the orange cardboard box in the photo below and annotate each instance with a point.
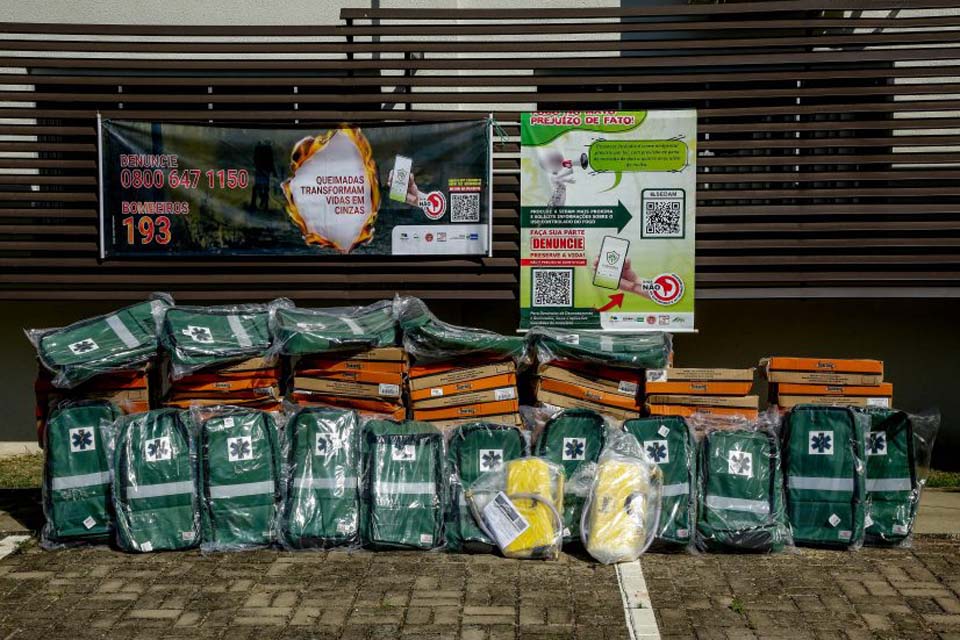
(677, 374)
(366, 377)
(509, 419)
(813, 377)
(467, 386)
(351, 389)
(566, 402)
(381, 407)
(882, 390)
(468, 410)
(591, 395)
(315, 366)
(264, 404)
(721, 388)
(624, 387)
(223, 385)
(476, 397)
(226, 396)
(599, 371)
(823, 365)
(452, 376)
(787, 402)
(740, 402)
(686, 412)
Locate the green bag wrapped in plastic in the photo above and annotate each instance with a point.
(669, 443)
(321, 502)
(76, 474)
(155, 493)
(403, 485)
(120, 340)
(572, 438)
(473, 451)
(825, 469)
(301, 332)
(199, 337)
(239, 477)
(899, 447)
(631, 350)
(740, 492)
(428, 339)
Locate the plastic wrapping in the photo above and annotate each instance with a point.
(741, 506)
(520, 507)
(199, 337)
(669, 443)
(633, 350)
(77, 476)
(428, 339)
(403, 485)
(571, 439)
(622, 512)
(299, 332)
(239, 476)
(155, 492)
(899, 447)
(120, 340)
(321, 485)
(474, 450)
(824, 464)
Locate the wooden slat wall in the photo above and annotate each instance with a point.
(829, 135)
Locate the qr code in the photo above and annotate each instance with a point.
(552, 287)
(663, 213)
(464, 207)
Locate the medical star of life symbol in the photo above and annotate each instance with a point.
(574, 449)
(81, 439)
(83, 346)
(656, 450)
(159, 449)
(239, 449)
(878, 443)
(740, 463)
(491, 459)
(202, 335)
(820, 442)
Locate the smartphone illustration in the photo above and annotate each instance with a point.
(401, 178)
(610, 263)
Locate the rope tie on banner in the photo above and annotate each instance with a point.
(498, 130)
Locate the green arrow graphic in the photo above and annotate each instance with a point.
(617, 216)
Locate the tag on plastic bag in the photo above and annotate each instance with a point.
(89, 522)
(504, 521)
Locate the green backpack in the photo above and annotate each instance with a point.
(824, 465)
(198, 337)
(668, 442)
(740, 493)
(155, 493)
(403, 485)
(893, 488)
(119, 340)
(239, 479)
(301, 332)
(76, 474)
(321, 503)
(571, 439)
(474, 450)
(639, 350)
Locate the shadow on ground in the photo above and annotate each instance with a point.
(20, 510)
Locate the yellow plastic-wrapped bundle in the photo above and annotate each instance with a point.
(519, 507)
(622, 512)
(536, 489)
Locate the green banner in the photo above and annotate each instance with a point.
(607, 219)
(177, 190)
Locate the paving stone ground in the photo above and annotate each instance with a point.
(815, 594)
(263, 595)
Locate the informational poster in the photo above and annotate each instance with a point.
(607, 220)
(182, 190)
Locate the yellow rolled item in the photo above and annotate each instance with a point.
(615, 517)
(536, 491)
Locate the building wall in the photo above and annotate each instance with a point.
(917, 339)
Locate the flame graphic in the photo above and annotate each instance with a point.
(302, 151)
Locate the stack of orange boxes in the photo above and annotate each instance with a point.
(369, 381)
(849, 382)
(683, 392)
(253, 383)
(129, 390)
(448, 395)
(612, 391)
